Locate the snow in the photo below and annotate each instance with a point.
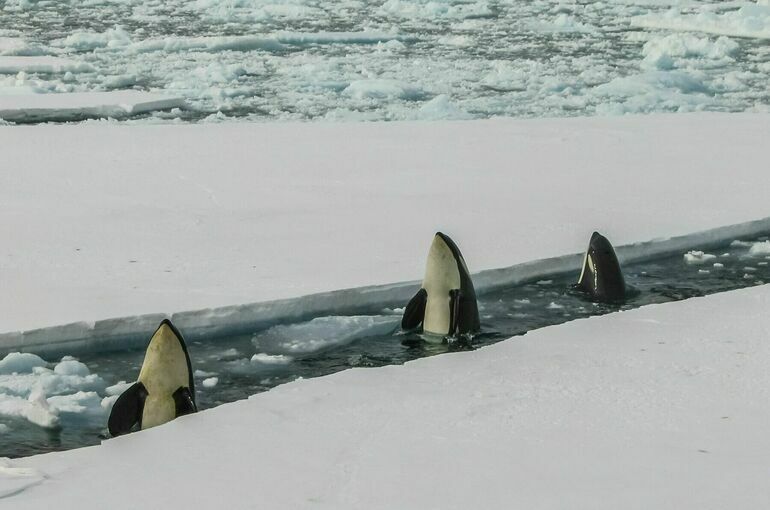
(14, 480)
(77, 105)
(224, 248)
(660, 407)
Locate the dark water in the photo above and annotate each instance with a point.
(504, 313)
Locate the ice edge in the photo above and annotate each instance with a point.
(133, 332)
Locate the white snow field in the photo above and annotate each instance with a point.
(661, 407)
(78, 105)
(104, 221)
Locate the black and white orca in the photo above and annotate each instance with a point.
(446, 302)
(164, 390)
(601, 277)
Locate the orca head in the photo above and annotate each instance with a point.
(442, 271)
(166, 361)
(601, 276)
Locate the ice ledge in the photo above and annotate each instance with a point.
(132, 332)
(81, 105)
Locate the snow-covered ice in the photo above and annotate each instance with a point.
(196, 234)
(660, 407)
(79, 105)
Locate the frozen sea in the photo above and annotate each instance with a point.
(394, 59)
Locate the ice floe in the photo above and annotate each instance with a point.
(42, 65)
(79, 105)
(760, 249)
(698, 257)
(750, 20)
(321, 333)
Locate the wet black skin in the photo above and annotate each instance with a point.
(605, 282)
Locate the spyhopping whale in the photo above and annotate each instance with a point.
(601, 277)
(446, 302)
(164, 389)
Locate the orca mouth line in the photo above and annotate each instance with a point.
(233, 368)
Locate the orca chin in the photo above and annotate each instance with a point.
(164, 390)
(446, 303)
(601, 277)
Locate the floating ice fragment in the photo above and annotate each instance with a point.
(210, 382)
(697, 257)
(382, 89)
(703, 271)
(203, 373)
(229, 354)
(20, 362)
(760, 249)
(79, 105)
(118, 388)
(718, 265)
(277, 359)
(71, 367)
(323, 332)
(555, 306)
(442, 108)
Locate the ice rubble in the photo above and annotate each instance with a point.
(749, 20)
(79, 105)
(42, 64)
(547, 60)
(50, 397)
(15, 46)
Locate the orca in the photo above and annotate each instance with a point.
(601, 277)
(446, 302)
(164, 390)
